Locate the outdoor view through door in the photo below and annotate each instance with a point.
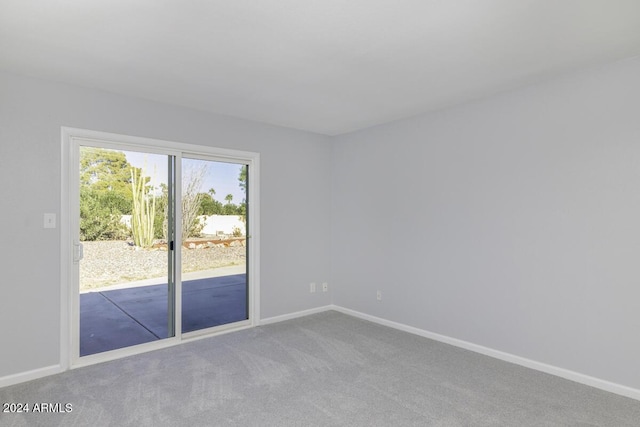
(214, 252)
(129, 282)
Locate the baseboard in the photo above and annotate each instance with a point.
(507, 357)
(29, 375)
(295, 315)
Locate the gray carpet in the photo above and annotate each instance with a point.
(324, 369)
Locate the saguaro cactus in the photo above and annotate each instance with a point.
(144, 209)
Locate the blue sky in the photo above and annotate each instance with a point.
(223, 177)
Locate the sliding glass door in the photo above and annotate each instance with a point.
(214, 249)
(160, 245)
(127, 274)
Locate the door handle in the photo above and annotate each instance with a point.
(78, 252)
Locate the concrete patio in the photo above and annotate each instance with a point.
(118, 318)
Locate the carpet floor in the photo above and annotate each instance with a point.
(325, 369)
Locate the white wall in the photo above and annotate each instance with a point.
(512, 223)
(294, 180)
(214, 224)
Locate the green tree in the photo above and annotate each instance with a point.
(230, 209)
(106, 170)
(209, 206)
(105, 193)
(242, 211)
(243, 178)
(99, 218)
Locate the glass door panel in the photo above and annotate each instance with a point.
(126, 271)
(214, 247)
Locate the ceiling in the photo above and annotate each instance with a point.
(325, 66)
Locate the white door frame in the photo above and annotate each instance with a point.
(69, 296)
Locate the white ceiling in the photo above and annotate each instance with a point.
(326, 66)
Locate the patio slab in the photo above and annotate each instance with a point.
(104, 326)
(123, 317)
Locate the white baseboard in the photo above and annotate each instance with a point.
(295, 315)
(22, 377)
(507, 357)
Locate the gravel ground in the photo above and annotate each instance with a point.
(109, 262)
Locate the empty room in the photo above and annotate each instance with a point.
(291, 213)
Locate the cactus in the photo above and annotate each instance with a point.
(144, 209)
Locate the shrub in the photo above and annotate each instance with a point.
(100, 219)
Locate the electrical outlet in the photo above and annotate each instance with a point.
(325, 286)
(312, 287)
(379, 295)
